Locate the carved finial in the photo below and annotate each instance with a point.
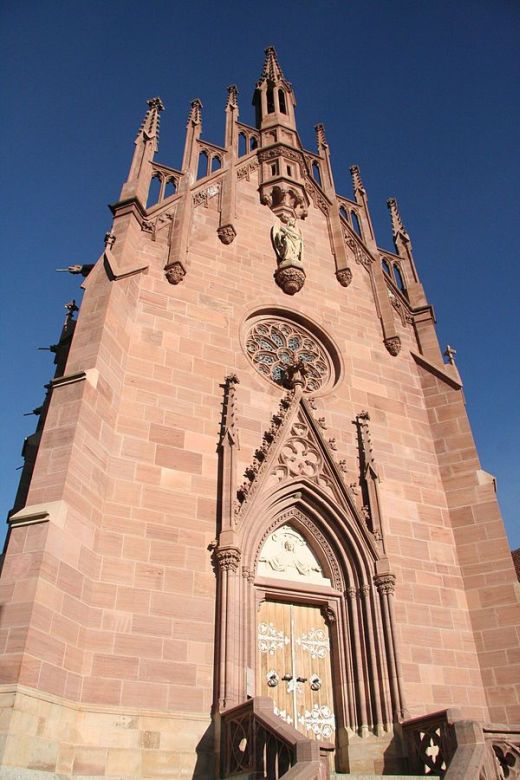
(321, 140)
(397, 223)
(363, 419)
(109, 240)
(450, 353)
(195, 115)
(71, 310)
(150, 124)
(232, 96)
(228, 424)
(272, 70)
(357, 183)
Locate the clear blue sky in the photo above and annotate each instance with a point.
(423, 96)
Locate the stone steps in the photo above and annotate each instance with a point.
(340, 776)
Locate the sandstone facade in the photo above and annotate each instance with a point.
(130, 585)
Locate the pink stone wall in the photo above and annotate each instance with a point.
(112, 600)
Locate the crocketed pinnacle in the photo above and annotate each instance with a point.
(321, 139)
(272, 71)
(150, 125)
(356, 179)
(397, 224)
(195, 115)
(232, 96)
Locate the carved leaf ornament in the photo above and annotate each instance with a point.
(274, 345)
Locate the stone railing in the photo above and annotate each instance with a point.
(257, 744)
(443, 745)
(430, 743)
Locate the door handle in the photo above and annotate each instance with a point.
(287, 677)
(301, 679)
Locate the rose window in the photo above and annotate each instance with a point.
(275, 345)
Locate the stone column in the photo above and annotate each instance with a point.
(359, 678)
(385, 584)
(372, 654)
(228, 561)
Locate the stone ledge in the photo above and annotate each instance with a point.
(440, 371)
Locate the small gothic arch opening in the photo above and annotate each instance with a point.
(281, 101)
(154, 191)
(316, 173)
(270, 100)
(242, 144)
(170, 188)
(343, 213)
(216, 163)
(356, 223)
(202, 169)
(398, 278)
(385, 266)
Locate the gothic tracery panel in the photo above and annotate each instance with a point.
(274, 344)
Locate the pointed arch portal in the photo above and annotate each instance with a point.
(305, 598)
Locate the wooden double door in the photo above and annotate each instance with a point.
(294, 667)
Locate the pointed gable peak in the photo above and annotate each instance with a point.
(272, 72)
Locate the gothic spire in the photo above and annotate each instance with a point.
(195, 115)
(357, 183)
(150, 125)
(146, 145)
(232, 96)
(321, 139)
(272, 71)
(398, 229)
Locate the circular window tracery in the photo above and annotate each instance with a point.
(275, 345)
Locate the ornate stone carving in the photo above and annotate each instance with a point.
(290, 280)
(344, 276)
(317, 198)
(361, 257)
(175, 272)
(288, 242)
(226, 233)
(245, 171)
(328, 614)
(228, 558)
(247, 489)
(321, 542)
(109, 240)
(385, 583)
(286, 555)
(275, 345)
(393, 345)
(202, 197)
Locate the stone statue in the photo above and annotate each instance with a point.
(288, 243)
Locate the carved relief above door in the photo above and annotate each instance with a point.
(294, 667)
